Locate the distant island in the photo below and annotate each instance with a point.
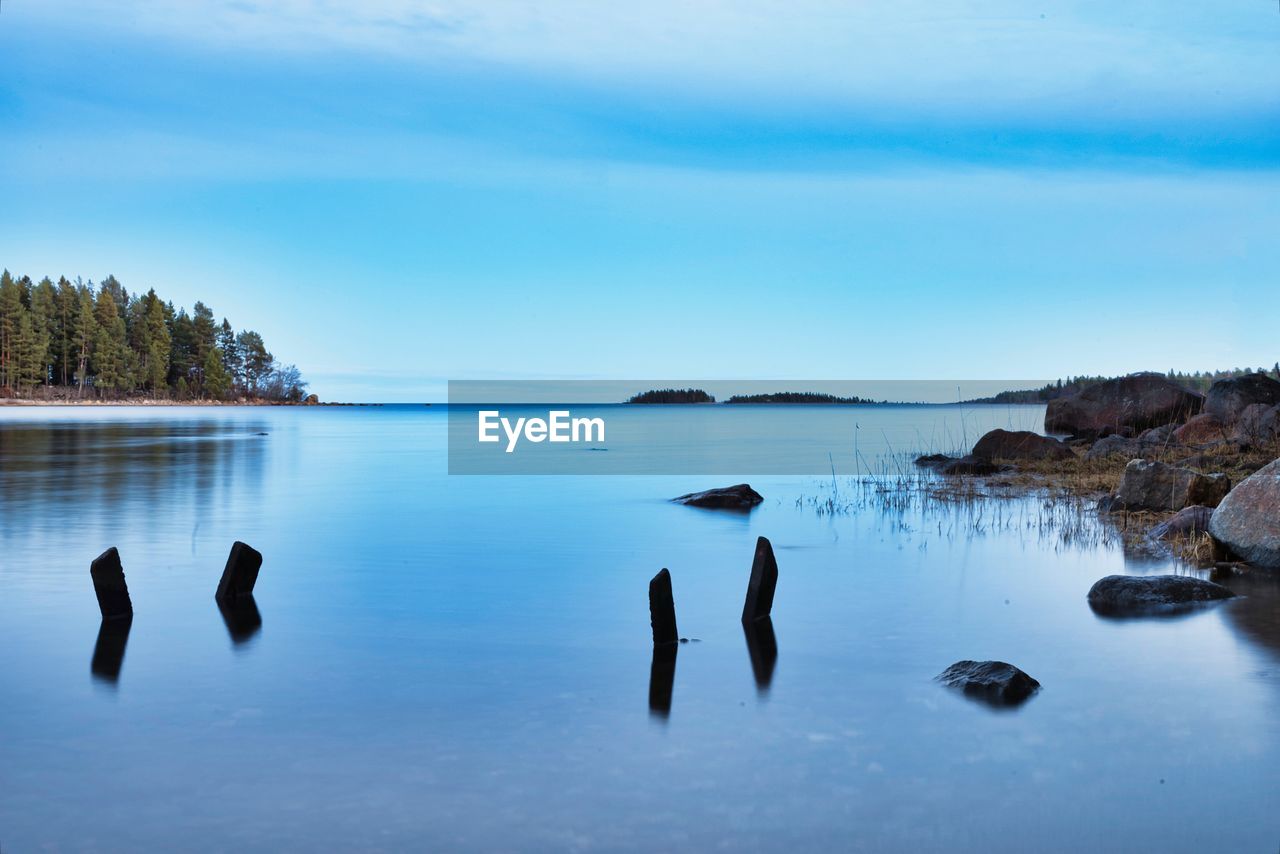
(672, 395)
(797, 397)
(74, 342)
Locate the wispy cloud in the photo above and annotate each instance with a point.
(1007, 54)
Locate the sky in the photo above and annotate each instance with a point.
(400, 193)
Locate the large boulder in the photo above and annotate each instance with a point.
(1187, 522)
(1119, 446)
(1248, 519)
(1127, 406)
(1227, 399)
(1152, 485)
(1020, 445)
(1203, 429)
(1258, 424)
(738, 497)
(1128, 595)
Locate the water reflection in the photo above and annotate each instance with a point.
(108, 652)
(662, 677)
(241, 616)
(1255, 613)
(762, 646)
(54, 471)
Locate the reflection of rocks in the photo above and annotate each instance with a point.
(1127, 406)
(1228, 398)
(1020, 445)
(1127, 595)
(1256, 613)
(1150, 485)
(739, 497)
(994, 682)
(1248, 519)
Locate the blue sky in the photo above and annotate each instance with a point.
(398, 193)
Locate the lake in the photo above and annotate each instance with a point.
(464, 663)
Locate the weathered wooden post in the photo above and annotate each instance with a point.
(108, 584)
(662, 609)
(764, 580)
(240, 573)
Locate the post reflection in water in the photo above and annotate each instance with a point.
(762, 646)
(108, 652)
(242, 618)
(662, 677)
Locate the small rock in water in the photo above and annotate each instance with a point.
(738, 497)
(763, 583)
(240, 573)
(933, 461)
(1128, 595)
(108, 584)
(662, 609)
(969, 465)
(996, 683)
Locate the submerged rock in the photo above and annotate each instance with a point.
(738, 497)
(969, 465)
(1020, 445)
(1129, 595)
(1227, 399)
(1187, 522)
(1151, 485)
(995, 682)
(1126, 406)
(1248, 519)
(933, 461)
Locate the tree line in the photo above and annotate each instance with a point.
(77, 339)
(1194, 381)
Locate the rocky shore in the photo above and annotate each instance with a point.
(1200, 473)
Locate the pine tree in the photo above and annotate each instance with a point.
(84, 335)
(230, 353)
(44, 320)
(217, 383)
(11, 313)
(256, 362)
(109, 345)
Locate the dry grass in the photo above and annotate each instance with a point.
(1054, 501)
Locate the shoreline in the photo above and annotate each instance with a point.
(147, 402)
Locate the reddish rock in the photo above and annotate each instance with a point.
(1203, 429)
(1248, 519)
(1020, 445)
(1125, 406)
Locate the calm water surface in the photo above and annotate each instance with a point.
(464, 663)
